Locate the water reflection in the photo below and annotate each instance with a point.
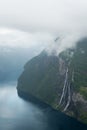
(17, 114)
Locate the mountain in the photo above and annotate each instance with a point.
(60, 81)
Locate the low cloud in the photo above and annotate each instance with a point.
(29, 26)
(37, 23)
(13, 39)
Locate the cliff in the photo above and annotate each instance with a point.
(60, 81)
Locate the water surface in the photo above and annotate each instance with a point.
(18, 114)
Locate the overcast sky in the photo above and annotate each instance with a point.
(29, 26)
(27, 23)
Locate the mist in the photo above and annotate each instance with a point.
(28, 27)
(42, 21)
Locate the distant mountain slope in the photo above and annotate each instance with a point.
(60, 81)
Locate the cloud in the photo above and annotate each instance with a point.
(16, 38)
(29, 26)
(62, 44)
(36, 23)
(13, 40)
(48, 15)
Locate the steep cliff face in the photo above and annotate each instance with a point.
(60, 81)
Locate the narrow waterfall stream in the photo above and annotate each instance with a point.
(64, 88)
(66, 96)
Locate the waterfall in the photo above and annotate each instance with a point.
(73, 76)
(66, 95)
(65, 84)
(69, 98)
(66, 92)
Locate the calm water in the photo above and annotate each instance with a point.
(17, 114)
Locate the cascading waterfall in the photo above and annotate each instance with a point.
(65, 84)
(69, 92)
(73, 76)
(69, 98)
(65, 98)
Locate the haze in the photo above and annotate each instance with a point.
(55, 17)
(29, 26)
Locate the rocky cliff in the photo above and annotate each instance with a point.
(60, 81)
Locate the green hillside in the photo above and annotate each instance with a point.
(38, 77)
(79, 63)
(44, 77)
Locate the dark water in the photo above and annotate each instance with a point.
(17, 114)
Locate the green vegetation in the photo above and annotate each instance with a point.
(42, 79)
(83, 117)
(79, 63)
(83, 92)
